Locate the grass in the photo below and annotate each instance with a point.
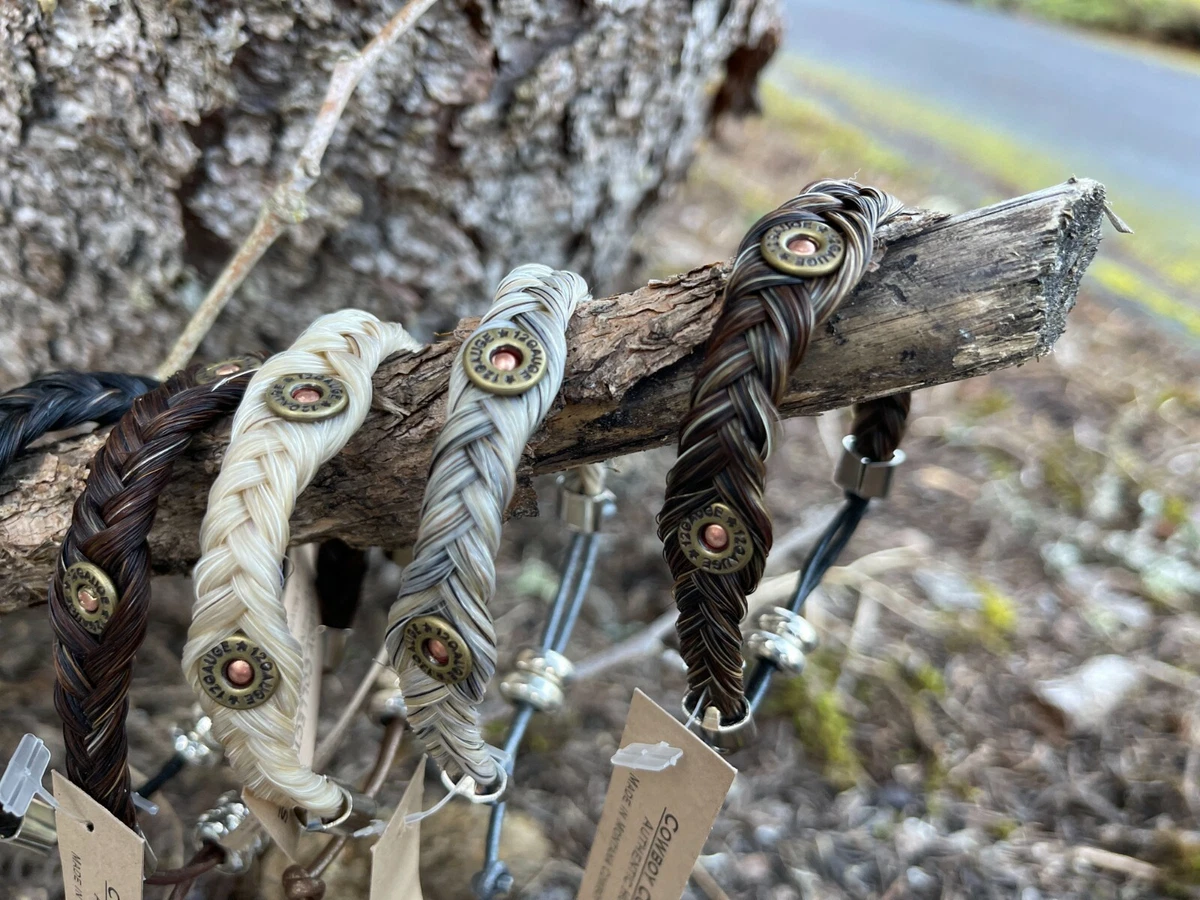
(1163, 243)
(827, 733)
(1175, 21)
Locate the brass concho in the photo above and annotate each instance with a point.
(330, 399)
(227, 368)
(215, 663)
(484, 346)
(85, 585)
(737, 550)
(455, 663)
(831, 248)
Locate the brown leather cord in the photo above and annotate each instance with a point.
(111, 520)
(205, 859)
(767, 320)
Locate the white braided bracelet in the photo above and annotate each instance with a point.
(300, 409)
(440, 636)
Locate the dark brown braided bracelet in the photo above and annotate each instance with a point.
(63, 400)
(99, 598)
(793, 270)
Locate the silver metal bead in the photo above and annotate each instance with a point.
(862, 476)
(540, 692)
(546, 662)
(538, 680)
(218, 826)
(783, 638)
(198, 745)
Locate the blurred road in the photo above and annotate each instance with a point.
(1110, 113)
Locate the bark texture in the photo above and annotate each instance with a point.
(951, 298)
(139, 137)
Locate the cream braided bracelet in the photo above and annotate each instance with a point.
(245, 665)
(440, 636)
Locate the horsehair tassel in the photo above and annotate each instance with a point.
(299, 411)
(99, 598)
(793, 269)
(441, 637)
(63, 400)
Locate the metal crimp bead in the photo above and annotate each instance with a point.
(387, 702)
(34, 830)
(724, 737)
(26, 810)
(583, 512)
(863, 476)
(538, 680)
(218, 826)
(783, 638)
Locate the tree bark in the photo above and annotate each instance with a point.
(138, 139)
(948, 298)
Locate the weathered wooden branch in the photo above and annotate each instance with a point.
(951, 297)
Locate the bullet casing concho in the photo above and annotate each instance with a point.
(831, 248)
(331, 397)
(421, 630)
(216, 684)
(483, 345)
(734, 556)
(83, 577)
(227, 368)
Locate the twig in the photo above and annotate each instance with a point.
(707, 884)
(286, 205)
(1117, 862)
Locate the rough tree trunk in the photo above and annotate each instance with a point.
(139, 137)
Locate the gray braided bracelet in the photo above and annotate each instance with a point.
(441, 638)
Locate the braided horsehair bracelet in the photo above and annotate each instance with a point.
(99, 597)
(441, 638)
(245, 665)
(63, 400)
(793, 269)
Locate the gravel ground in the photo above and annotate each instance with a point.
(1004, 701)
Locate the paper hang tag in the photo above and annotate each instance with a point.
(395, 860)
(101, 858)
(304, 619)
(281, 823)
(654, 824)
